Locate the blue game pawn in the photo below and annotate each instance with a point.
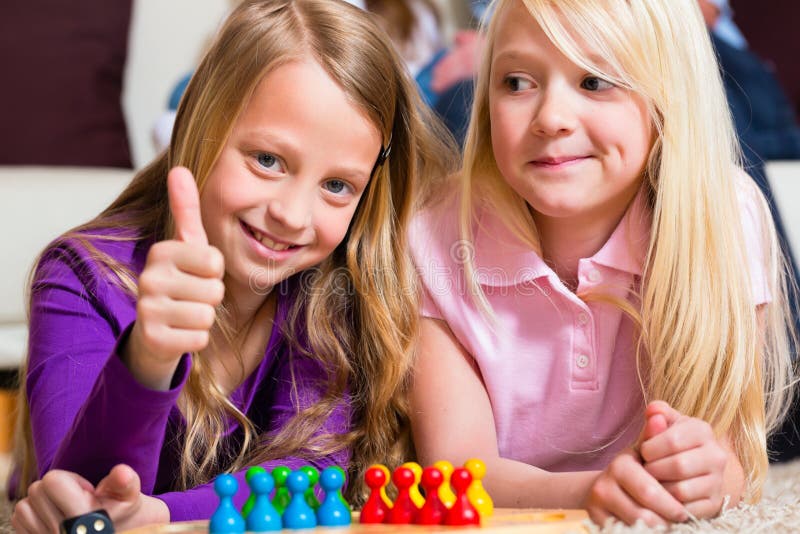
(333, 512)
(226, 518)
(263, 517)
(298, 514)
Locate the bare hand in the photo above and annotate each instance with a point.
(687, 459)
(62, 494)
(178, 290)
(627, 492)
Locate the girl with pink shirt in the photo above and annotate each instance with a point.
(603, 291)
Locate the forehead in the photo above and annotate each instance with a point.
(519, 33)
(298, 110)
(301, 91)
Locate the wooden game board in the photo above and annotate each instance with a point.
(504, 521)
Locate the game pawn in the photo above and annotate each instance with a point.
(476, 493)
(462, 512)
(375, 509)
(263, 516)
(404, 511)
(339, 493)
(248, 505)
(416, 496)
(433, 511)
(445, 492)
(282, 497)
(384, 497)
(298, 514)
(333, 512)
(313, 477)
(226, 519)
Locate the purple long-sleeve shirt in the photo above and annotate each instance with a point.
(87, 411)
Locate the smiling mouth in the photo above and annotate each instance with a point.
(554, 162)
(265, 240)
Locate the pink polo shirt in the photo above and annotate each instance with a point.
(560, 372)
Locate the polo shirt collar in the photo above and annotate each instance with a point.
(626, 249)
(502, 259)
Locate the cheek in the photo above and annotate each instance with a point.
(505, 134)
(333, 227)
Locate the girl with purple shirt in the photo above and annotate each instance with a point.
(248, 298)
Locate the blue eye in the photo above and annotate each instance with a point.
(268, 161)
(593, 83)
(335, 186)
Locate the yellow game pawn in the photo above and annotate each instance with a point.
(413, 491)
(385, 498)
(446, 494)
(476, 493)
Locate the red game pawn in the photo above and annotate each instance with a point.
(404, 511)
(462, 512)
(374, 510)
(434, 510)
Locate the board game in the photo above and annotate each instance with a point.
(503, 521)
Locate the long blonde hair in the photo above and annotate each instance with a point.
(701, 347)
(360, 304)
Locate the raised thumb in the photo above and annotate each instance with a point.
(184, 203)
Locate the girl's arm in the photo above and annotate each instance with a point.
(87, 413)
(451, 418)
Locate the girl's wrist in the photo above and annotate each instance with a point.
(151, 511)
(148, 371)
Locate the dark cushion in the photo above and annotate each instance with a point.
(62, 66)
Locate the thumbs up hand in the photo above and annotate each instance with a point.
(178, 290)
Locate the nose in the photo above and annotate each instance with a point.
(292, 209)
(554, 116)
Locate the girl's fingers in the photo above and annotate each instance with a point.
(121, 484)
(693, 489)
(24, 519)
(686, 465)
(598, 515)
(688, 433)
(708, 459)
(69, 494)
(44, 509)
(626, 491)
(616, 502)
(177, 314)
(649, 494)
(670, 414)
(164, 340)
(199, 260)
(705, 508)
(178, 285)
(184, 203)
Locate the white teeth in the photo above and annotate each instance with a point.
(267, 242)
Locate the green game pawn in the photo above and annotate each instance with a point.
(282, 496)
(251, 500)
(313, 477)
